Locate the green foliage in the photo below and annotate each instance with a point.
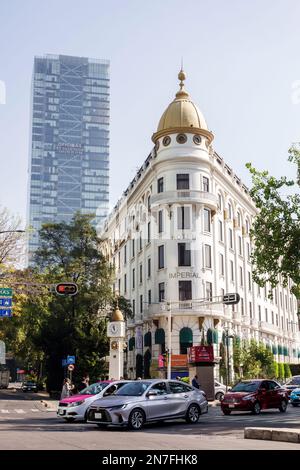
(254, 359)
(185, 379)
(276, 228)
(51, 326)
(287, 371)
(276, 370)
(280, 370)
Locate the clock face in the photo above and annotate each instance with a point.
(114, 329)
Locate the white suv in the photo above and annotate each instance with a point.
(220, 390)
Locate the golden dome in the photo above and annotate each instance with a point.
(117, 315)
(182, 115)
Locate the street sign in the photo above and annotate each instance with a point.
(71, 367)
(231, 299)
(5, 292)
(5, 312)
(6, 302)
(71, 360)
(66, 288)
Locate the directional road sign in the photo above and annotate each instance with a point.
(5, 312)
(5, 292)
(6, 302)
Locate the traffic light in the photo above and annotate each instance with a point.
(66, 288)
(231, 299)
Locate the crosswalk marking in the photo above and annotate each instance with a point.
(4, 411)
(20, 411)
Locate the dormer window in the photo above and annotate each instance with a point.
(160, 185)
(205, 184)
(183, 181)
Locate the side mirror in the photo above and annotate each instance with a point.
(152, 393)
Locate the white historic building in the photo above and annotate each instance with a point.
(180, 234)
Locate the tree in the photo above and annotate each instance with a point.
(10, 240)
(276, 227)
(76, 325)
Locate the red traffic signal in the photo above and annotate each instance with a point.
(66, 288)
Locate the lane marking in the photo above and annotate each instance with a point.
(4, 411)
(20, 411)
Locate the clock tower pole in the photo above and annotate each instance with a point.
(116, 333)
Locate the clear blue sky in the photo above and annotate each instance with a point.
(241, 58)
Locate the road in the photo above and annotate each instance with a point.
(26, 424)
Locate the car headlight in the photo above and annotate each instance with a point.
(248, 397)
(76, 403)
(118, 407)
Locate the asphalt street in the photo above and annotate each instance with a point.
(25, 424)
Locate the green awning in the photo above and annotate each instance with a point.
(186, 335)
(148, 339)
(160, 336)
(131, 344)
(209, 336)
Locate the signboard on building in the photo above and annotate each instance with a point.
(179, 360)
(201, 354)
(139, 338)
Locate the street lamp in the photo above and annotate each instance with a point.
(227, 336)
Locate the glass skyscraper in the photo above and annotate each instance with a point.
(69, 154)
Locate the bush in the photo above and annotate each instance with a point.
(287, 371)
(185, 379)
(276, 369)
(281, 371)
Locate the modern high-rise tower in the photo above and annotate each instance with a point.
(69, 153)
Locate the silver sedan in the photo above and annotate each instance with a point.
(144, 401)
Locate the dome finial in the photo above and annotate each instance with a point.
(181, 76)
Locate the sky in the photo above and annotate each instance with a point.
(241, 58)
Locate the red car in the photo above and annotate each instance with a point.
(255, 395)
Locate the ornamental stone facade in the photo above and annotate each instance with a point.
(179, 240)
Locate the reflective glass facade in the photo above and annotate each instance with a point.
(69, 154)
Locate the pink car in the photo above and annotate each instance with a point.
(75, 407)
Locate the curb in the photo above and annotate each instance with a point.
(273, 434)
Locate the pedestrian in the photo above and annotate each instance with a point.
(66, 389)
(195, 382)
(84, 383)
(178, 377)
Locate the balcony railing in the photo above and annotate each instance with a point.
(185, 196)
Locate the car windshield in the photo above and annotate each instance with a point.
(246, 387)
(94, 388)
(29, 383)
(294, 381)
(133, 389)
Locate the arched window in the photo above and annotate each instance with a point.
(209, 336)
(131, 344)
(159, 338)
(185, 339)
(147, 363)
(148, 339)
(139, 365)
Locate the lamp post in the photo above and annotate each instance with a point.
(227, 337)
(169, 352)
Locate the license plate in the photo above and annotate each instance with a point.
(98, 415)
(61, 412)
(231, 406)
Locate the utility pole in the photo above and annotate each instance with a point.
(169, 352)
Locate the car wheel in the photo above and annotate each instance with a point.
(136, 420)
(226, 412)
(219, 396)
(283, 406)
(256, 409)
(193, 414)
(69, 420)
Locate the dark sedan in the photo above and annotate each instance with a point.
(29, 386)
(255, 395)
(292, 384)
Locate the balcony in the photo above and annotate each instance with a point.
(185, 196)
(268, 328)
(184, 308)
